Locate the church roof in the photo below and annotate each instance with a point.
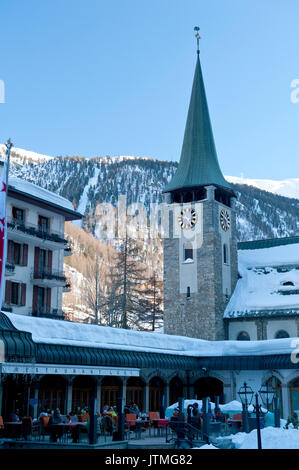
(198, 163)
(269, 283)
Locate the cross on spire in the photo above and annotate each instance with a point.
(196, 29)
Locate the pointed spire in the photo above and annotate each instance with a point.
(198, 163)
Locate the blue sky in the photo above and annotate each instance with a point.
(110, 77)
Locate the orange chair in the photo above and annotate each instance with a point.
(1, 426)
(153, 415)
(131, 420)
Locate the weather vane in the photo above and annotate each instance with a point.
(196, 29)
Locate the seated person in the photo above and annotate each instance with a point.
(56, 430)
(14, 417)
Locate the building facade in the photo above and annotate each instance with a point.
(36, 246)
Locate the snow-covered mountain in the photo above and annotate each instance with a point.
(265, 208)
(287, 188)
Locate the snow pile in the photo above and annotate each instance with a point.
(45, 330)
(206, 446)
(272, 438)
(40, 193)
(270, 281)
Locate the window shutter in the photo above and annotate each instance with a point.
(8, 292)
(34, 303)
(23, 295)
(10, 251)
(50, 257)
(36, 260)
(25, 254)
(48, 299)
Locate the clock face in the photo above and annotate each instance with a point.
(224, 220)
(187, 218)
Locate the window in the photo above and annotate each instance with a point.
(188, 293)
(17, 253)
(288, 283)
(18, 214)
(225, 254)
(188, 252)
(282, 334)
(43, 223)
(243, 336)
(15, 293)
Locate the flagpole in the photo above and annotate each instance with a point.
(8, 146)
(3, 241)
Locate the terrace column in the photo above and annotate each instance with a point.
(98, 393)
(35, 406)
(285, 395)
(146, 398)
(69, 394)
(1, 396)
(124, 389)
(166, 396)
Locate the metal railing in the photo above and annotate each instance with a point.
(54, 313)
(49, 274)
(35, 230)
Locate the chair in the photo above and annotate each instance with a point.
(1, 427)
(153, 417)
(44, 430)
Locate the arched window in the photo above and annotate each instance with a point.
(288, 283)
(282, 334)
(243, 336)
(188, 292)
(225, 254)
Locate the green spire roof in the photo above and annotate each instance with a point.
(199, 163)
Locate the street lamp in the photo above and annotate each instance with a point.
(267, 394)
(245, 393)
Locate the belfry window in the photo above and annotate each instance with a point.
(188, 252)
(225, 254)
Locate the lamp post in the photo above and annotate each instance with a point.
(257, 408)
(267, 394)
(245, 393)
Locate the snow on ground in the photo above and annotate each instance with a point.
(272, 438)
(262, 286)
(33, 156)
(45, 330)
(84, 198)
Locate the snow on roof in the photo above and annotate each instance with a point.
(40, 193)
(269, 283)
(50, 331)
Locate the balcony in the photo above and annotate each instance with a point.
(49, 277)
(23, 230)
(10, 268)
(54, 313)
(67, 286)
(67, 249)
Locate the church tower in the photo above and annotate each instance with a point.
(200, 247)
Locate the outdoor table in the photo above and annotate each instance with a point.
(13, 428)
(159, 423)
